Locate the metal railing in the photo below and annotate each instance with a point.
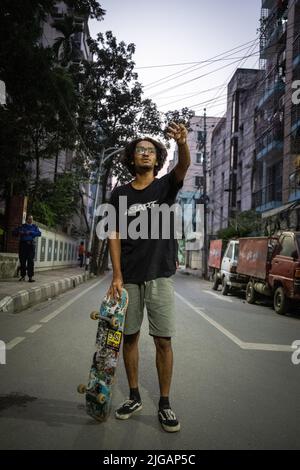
(267, 195)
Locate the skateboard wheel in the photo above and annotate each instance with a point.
(94, 315)
(81, 389)
(114, 323)
(101, 398)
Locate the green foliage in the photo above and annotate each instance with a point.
(55, 202)
(247, 223)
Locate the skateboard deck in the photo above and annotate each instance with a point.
(98, 392)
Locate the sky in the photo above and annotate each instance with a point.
(186, 32)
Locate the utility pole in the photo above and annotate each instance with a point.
(205, 247)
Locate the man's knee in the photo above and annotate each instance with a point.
(163, 344)
(131, 341)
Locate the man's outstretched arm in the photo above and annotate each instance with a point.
(179, 133)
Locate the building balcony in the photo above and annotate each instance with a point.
(271, 142)
(273, 31)
(296, 52)
(275, 89)
(268, 4)
(267, 198)
(294, 186)
(295, 121)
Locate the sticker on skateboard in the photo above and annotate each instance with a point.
(98, 392)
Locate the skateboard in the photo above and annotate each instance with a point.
(98, 392)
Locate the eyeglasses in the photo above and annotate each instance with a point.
(148, 150)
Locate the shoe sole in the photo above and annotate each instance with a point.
(170, 428)
(129, 414)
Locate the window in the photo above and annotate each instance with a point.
(49, 255)
(199, 180)
(236, 251)
(43, 249)
(61, 251)
(229, 251)
(55, 250)
(200, 137)
(199, 158)
(288, 248)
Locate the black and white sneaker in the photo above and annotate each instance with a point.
(168, 420)
(128, 408)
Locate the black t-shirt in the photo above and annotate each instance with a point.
(147, 259)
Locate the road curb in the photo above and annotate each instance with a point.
(23, 299)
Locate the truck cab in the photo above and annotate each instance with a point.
(284, 273)
(229, 277)
(223, 266)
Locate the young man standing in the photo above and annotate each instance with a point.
(145, 266)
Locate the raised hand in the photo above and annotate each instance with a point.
(178, 132)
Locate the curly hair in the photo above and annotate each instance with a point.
(128, 155)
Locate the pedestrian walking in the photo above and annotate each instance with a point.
(28, 232)
(145, 266)
(81, 251)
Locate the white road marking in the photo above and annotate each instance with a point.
(220, 297)
(13, 343)
(70, 302)
(232, 337)
(33, 328)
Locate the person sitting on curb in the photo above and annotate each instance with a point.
(27, 232)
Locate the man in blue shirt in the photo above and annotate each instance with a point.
(28, 232)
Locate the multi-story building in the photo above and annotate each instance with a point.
(76, 37)
(191, 193)
(277, 119)
(232, 152)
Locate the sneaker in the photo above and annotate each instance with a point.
(129, 408)
(22, 279)
(31, 280)
(168, 420)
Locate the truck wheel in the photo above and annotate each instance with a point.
(216, 282)
(281, 302)
(251, 296)
(225, 287)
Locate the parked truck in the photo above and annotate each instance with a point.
(224, 267)
(272, 266)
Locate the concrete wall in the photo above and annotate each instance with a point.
(55, 250)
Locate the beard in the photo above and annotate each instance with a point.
(144, 168)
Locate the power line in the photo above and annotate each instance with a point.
(190, 63)
(193, 68)
(197, 78)
(216, 70)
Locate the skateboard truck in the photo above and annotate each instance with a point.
(82, 389)
(111, 320)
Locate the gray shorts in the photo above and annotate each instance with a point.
(158, 297)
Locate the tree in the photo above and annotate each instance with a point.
(247, 223)
(39, 119)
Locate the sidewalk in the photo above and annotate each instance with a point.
(190, 272)
(15, 296)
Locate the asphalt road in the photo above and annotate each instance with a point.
(234, 383)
